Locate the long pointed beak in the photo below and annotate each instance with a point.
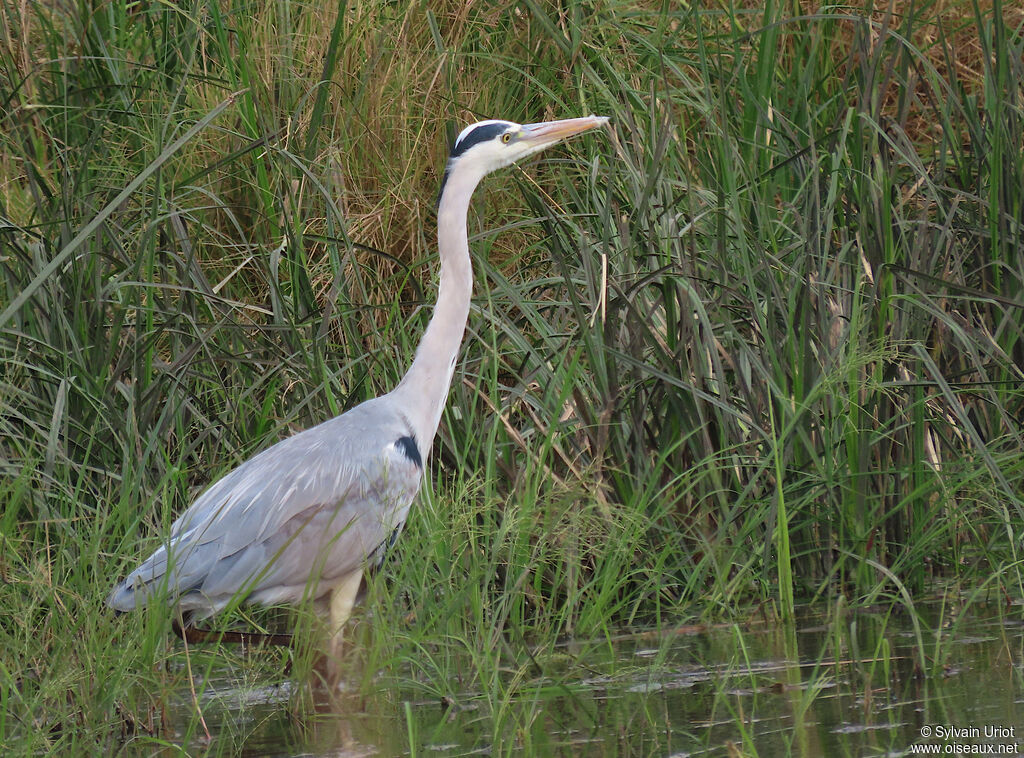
(548, 132)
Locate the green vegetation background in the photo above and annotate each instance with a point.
(760, 343)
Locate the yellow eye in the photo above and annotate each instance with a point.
(506, 137)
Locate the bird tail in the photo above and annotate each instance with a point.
(124, 598)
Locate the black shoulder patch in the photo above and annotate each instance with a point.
(408, 446)
(478, 135)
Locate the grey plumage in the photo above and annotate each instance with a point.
(305, 517)
(336, 491)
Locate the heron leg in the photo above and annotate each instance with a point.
(340, 602)
(343, 598)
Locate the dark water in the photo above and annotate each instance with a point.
(864, 684)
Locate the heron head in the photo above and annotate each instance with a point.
(486, 146)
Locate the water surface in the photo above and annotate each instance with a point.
(870, 682)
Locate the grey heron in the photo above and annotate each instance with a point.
(304, 518)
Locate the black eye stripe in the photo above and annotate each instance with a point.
(478, 135)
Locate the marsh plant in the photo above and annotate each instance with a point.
(764, 345)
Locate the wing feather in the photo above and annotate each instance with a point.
(313, 507)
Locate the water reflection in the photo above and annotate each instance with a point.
(867, 683)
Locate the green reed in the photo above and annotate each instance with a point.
(761, 342)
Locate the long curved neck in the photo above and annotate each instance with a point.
(423, 390)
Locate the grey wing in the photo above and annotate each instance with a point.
(288, 522)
